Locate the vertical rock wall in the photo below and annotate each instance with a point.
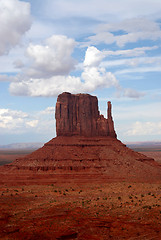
(77, 114)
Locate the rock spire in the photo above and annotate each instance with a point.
(78, 114)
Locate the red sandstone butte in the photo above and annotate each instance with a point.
(77, 114)
(86, 149)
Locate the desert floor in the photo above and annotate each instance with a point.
(7, 156)
(120, 210)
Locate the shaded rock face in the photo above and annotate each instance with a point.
(78, 114)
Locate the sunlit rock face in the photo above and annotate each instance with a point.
(78, 114)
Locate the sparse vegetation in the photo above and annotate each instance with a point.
(71, 205)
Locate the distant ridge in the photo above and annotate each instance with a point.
(146, 145)
(30, 145)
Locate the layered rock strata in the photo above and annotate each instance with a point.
(78, 114)
(85, 149)
(89, 157)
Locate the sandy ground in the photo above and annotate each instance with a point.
(8, 156)
(100, 211)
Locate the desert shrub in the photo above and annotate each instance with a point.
(146, 206)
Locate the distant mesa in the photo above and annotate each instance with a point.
(86, 149)
(77, 114)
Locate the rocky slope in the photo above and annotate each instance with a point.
(86, 147)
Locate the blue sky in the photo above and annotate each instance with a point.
(111, 49)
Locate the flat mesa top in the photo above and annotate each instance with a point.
(78, 114)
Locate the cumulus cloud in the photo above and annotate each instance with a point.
(97, 77)
(15, 20)
(12, 120)
(127, 31)
(93, 76)
(52, 58)
(18, 122)
(45, 87)
(93, 57)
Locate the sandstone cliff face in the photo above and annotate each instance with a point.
(78, 114)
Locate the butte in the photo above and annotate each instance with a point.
(86, 149)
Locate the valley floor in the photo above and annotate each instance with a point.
(102, 211)
(81, 211)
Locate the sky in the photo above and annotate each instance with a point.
(110, 49)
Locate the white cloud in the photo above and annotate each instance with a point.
(93, 76)
(46, 87)
(101, 10)
(127, 31)
(137, 112)
(47, 62)
(53, 58)
(32, 123)
(145, 128)
(91, 79)
(97, 77)
(138, 121)
(139, 70)
(12, 113)
(48, 110)
(132, 93)
(93, 57)
(18, 63)
(15, 20)
(12, 120)
(7, 78)
(101, 37)
(18, 122)
(130, 52)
